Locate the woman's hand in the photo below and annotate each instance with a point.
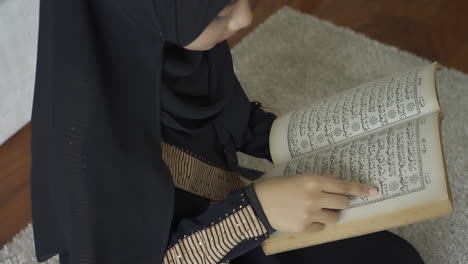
(306, 202)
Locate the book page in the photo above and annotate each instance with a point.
(354, 112)
(404, 162)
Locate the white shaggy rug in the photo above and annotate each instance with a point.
(293, 60)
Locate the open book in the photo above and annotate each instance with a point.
(385, 133)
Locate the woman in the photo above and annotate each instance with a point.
(137, 117)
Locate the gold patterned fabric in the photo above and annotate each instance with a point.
(211, 244)
(198, 177)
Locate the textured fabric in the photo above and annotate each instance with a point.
(194, 174)
(223, 231)
(107, 78)
(200, 164)
(198, 224)
(257, 207)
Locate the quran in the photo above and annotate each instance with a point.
(386, 133)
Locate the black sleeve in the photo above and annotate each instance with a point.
(256, 137)
(224, 231)
(182, 21)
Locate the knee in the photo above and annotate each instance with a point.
(394, 248)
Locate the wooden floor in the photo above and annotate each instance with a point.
(435, 29)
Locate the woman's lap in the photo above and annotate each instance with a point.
(380, 247)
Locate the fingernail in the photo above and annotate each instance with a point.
(373, 191)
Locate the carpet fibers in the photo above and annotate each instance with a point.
(293, 60)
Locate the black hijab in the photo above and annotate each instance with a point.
(108, 75)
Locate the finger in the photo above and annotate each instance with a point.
(314, 227)
(326, 216)
(334, 201)
(332, 185)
